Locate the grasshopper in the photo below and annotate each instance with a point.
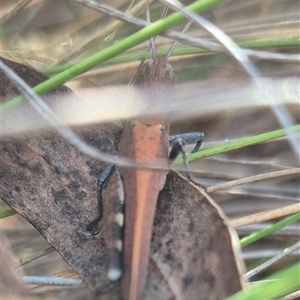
(144, 140)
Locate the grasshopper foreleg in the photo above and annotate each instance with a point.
(178, 143)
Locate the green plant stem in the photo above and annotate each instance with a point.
(112, 51)
(7, 213)
(267, 231)
(253, 140)
(179, 51)
(278, 285)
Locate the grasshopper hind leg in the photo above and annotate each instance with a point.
(110, 196)
(113, 215)
(94, 227)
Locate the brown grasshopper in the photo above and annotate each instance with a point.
(144, 140)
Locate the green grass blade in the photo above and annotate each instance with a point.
(267, 231)
(6, 213)
(278, 285)
(178, 51)
(244, 142)
(112, 51)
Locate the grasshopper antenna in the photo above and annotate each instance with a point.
(175, 43)
(152, 40)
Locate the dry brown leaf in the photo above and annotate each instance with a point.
(53, 185)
